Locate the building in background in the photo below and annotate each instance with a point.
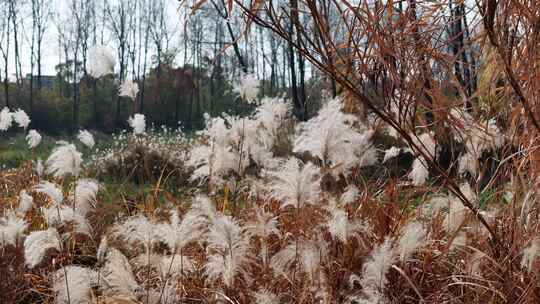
(47, 81)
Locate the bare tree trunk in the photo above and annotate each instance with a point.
(425, 71)
(284, 75)
(462, 65)
(298, 97)
(177, 100)
(224, 13)
(39, 75)
(190, 108)
(301, 66)
(6, 85)
(118, 21)
(4, 48)
(38, 59)
(76, 11)
(454, 33)
(75, 93)
(467, 55)
(32, 71)
(16, 45)
(216, 67)
(132, 45)
(294, 89)
(273, 62)
(145, 60)
(95, 104)
(474, 79)
(198, 73)
(261, 44)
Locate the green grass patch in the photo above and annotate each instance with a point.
(14, 149)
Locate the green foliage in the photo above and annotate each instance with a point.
(14, 149)
(171, 95)
(168, 97)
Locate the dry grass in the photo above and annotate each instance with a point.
(439, 272)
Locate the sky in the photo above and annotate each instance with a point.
(50, 47)
(60, 11)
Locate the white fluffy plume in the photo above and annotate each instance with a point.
(33, 139)
(478, 138)
(391, 153)
(330, 137)
(166, 294)
(211, 163)
(350, 195)
(247, 88)
(21, 118)
(138, 230)
(202, 214)
(129, 89)
(51, 190)
(86, 138)
(375, 269)
(342, 228)
(231, 143)
(228, 246)
(530, 254)
(457, 212)
(11, 229)
(101, 61)
(84, 196)
(419, 173)
(413, 236)
(295, 184)
(73, 285)
(283, 260)
(117, 275)
(37, 243)
(61, 215)
(64, 160)
(175, 265)
(263, 226)
(312, 256)
(309, 254)
(6, 119)
(138, 123)
(265, 297)
(271, 114)
(426, 143)
(25, 202)
(468, 162)
(39, 167)
(178, 233)
(227, 147)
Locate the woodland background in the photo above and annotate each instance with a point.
(183, 70)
